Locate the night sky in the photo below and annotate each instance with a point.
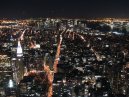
(64, 8)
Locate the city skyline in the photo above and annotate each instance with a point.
(64, 8)
(48, 57)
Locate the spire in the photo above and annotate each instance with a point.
(19, 50)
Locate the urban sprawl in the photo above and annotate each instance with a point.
(47, 57)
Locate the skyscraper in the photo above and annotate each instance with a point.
(19, 63)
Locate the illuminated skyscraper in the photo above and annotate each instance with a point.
(19, 50)
(18, 64)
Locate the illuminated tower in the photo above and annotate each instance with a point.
(19, 50)
(19, 62)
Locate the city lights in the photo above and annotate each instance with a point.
(64, 57)
(10, 84)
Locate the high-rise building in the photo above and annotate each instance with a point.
(17, 64)
(5, 73)
(19, 50)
